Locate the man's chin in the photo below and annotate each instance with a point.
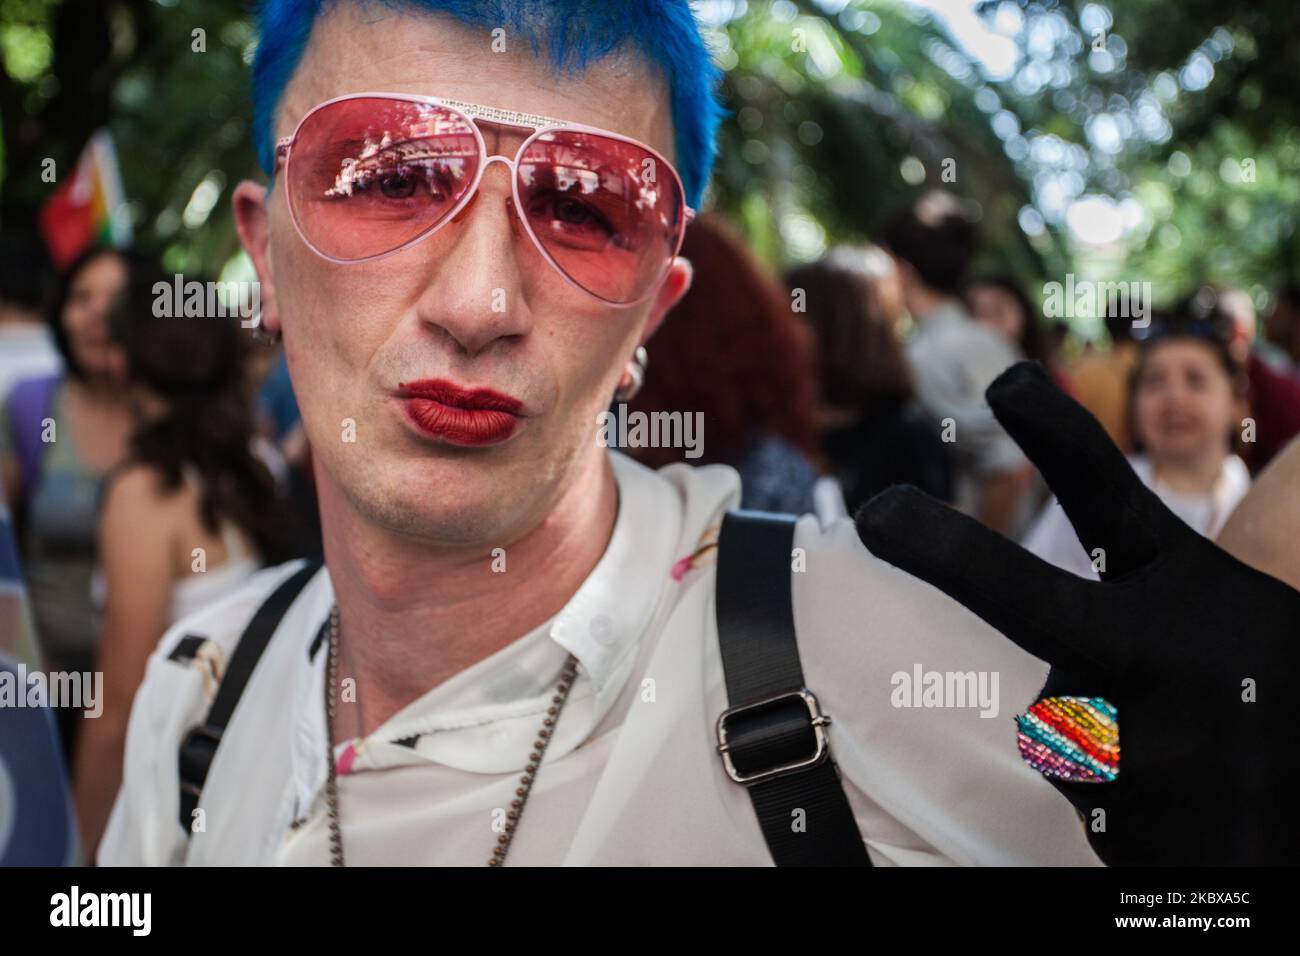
(442, 502)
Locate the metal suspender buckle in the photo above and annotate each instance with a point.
(196, 753)
(727, 735)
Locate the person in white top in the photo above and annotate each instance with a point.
(27, 348)
(496, 582)
(1187, 407)
(954, 359)
(474, 539)
(631, 776)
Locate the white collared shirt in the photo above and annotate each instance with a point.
(632, 776)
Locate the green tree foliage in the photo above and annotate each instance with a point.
(838, 119)
(1183, 114)
(175, 100)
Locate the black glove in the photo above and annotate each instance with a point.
(1177, 635)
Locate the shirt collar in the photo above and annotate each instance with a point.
(611, 609)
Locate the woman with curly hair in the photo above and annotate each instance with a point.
(734, 351)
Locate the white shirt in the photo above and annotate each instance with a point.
(632, 776)
(1053, 539)
(27, 350)
(954, 359)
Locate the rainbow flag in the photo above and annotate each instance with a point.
(89, 207)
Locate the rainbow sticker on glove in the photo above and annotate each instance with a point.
(1071, 738)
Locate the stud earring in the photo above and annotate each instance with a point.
(635, 375)
(263, 337)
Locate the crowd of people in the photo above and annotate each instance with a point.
(868, 367)
(145, 475)
(477, 302)
(151, 465)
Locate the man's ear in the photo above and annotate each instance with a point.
(675, 285)
(253, 226)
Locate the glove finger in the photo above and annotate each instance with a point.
(1051, 613)
(1107, 503)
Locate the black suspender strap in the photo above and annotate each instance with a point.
(773, 737)
(199, 747)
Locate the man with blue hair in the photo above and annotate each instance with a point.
(522, 646)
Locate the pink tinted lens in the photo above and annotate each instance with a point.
(608, 213)
(368, 175)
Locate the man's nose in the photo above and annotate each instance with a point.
(477, 293)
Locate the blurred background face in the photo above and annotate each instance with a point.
(85, 316)
(1236, 305)
(998, 309)
(474, 304)
(1282, 327)
(1184, 403)
(887, 284)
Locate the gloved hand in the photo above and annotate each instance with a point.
(1199, 653)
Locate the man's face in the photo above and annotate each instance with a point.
(475, 304)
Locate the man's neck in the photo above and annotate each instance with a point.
(413, 613)
(1191, 476)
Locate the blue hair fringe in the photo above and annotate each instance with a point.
(571, 33)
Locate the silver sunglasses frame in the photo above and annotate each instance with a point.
(540, 125)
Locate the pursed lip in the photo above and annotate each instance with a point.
(462, 416)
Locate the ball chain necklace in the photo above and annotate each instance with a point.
(567, 677)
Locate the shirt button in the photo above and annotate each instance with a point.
(602, 629)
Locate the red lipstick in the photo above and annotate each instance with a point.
(461, 416)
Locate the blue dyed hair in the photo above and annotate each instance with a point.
(572, 33)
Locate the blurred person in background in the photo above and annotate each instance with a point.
(1280, 346)
(736, 353)
(871, 432)
(186, 518)
(954, 359)
(1274, 397)
(1101, 379)
(1186, 404)
(36, 821)
(1001, 303)
(53, 471)
(27, 348)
